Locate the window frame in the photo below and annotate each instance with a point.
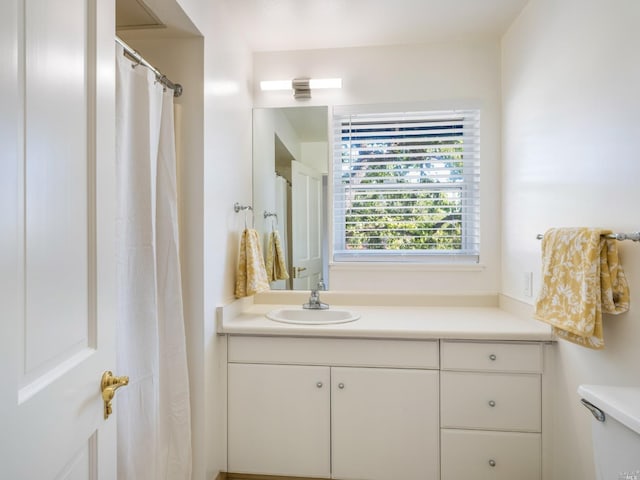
(471, 221)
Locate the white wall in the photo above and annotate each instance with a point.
(439, 76)
(227, 179)
(267, 124)
(316, 155)
(571, 137)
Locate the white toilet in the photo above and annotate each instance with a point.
(615, 430)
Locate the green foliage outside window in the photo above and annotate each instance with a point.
(400, 197)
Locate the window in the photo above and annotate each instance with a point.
(406, 186)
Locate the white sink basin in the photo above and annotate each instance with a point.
(303, 316)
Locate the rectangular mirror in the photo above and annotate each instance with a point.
(290, 169)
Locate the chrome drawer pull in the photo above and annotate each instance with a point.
(492, 403)
(492, 463)
(341, 386)
(492, 357)
(319, 384)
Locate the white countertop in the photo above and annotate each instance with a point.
(415, 322)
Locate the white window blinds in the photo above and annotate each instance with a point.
(406, 186)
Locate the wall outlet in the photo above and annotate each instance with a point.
(527, 284)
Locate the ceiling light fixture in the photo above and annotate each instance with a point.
(301, 86)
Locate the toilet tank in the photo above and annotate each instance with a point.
(616, 435)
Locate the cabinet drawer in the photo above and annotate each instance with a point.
(492, 357)
(334, 352)
(492, 401)
(490, 455)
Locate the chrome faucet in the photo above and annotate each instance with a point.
(314, 302)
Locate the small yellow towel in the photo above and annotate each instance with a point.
(276, 266)
(251, 276)
(581, 279)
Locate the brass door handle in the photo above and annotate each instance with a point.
(108, 386)
(297, 270)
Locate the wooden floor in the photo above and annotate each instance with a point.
(247, 476)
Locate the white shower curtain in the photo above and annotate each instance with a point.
(154, 425)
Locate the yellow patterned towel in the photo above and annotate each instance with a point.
(581, 279)
(251, 276)
(276, 266)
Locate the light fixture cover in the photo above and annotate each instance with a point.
(325, 83)
(276, 85)
(269, 85)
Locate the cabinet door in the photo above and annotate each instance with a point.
(384, 424)
(279, 420)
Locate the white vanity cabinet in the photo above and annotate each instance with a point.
(384, 424)
(491, 410)
(278, 418)
(333, 408)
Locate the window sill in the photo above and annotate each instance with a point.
(400, 266)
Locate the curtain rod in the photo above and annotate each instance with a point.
(176, 87)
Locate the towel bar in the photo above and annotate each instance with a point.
(634, 237)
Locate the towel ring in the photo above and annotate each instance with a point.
(273, 215)
(237, 207)
(253, 218)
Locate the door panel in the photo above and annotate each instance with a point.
(306, 193)
(57, 282)
(57, 157)
(83, 464)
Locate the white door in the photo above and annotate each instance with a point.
(57, 238)
(306, 213)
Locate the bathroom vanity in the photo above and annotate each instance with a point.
(414, 393)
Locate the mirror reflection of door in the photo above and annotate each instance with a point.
(283, 161)
(306, 210)
(283, 137)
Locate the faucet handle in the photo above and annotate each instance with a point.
(321, 285)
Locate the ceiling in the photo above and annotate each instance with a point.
(152, 18)
(273, 25)
(135, 14)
